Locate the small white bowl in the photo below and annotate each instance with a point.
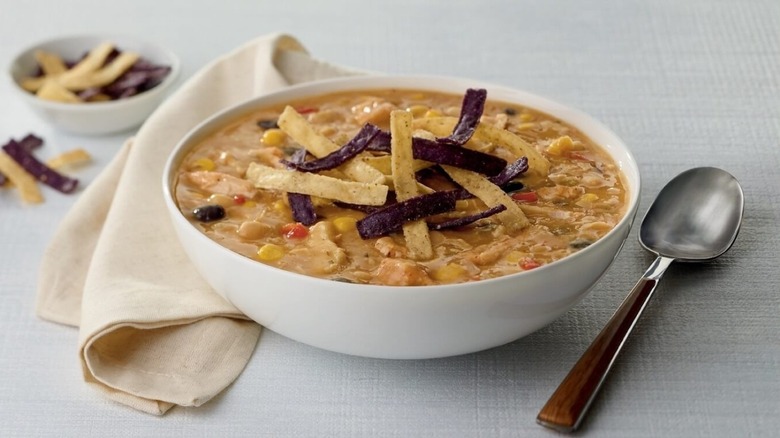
(403, 322)
(95, 118)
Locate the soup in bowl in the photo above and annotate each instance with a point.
(402, 217)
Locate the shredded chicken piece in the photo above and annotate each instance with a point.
(320, 251)
(269, 156)
(222, 183)
(401, 272)
(373, 111)
(388, 248)
(560, 193)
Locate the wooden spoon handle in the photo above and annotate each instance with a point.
(567, 406)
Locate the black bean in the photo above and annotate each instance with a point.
(267, 124)
(209, 213)
(510, 111)
(512, 186)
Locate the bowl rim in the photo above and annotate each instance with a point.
(172, 61)
(333, 85)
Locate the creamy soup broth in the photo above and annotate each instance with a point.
(578, 201)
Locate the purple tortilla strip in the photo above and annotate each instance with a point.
(42, 172)
(302, 208)
(31, 142)
(510, 172)
(338, 157)
(470, 113)
(444, 153)
(392, 217)
(380, 143)
(301, 205)
(136, 80)
(456, 156)
(504, 179)
(465, 220)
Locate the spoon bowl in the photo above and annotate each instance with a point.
(696, 217)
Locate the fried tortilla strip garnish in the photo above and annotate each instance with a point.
(299, 129)
(352, 192)
(27, 185)
(74, 157)
(100, 77)
(513, 217)
(470, 113)
(54, 91)
(390, 219)
(338, 157)
(91, 63)
(418, 240)
(382, 164)
(501, 137)
(51, 63)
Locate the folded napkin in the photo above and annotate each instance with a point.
(152, 333)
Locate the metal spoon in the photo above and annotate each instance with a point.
(696, 217)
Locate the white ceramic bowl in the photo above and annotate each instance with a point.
(95, 118)
(404, 322)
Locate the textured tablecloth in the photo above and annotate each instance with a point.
(684, 83)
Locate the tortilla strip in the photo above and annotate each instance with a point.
(298, 128)
(513, 217)
(53, 90)
(418, 240)
(91, 63)
(28, 186)
(51, 64)
(265, 177)
(101, 77)
(382, 164)
(442, 126)
(72, 157)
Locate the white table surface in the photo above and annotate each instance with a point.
(684, 83)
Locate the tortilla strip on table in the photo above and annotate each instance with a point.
(27, 185)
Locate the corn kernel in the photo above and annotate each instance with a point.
(280, 206)
(204, 164)
(223, 200)
(433, 113)
(561, 145)
(449, 272)
(526, 117)
(587, 199)
(273, 137)
(514, 256)
(270, 252)
(344, 223)
(249, 204)
(418, 110)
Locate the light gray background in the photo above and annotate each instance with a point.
(684, 83)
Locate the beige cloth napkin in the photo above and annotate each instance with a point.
(152, 334)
